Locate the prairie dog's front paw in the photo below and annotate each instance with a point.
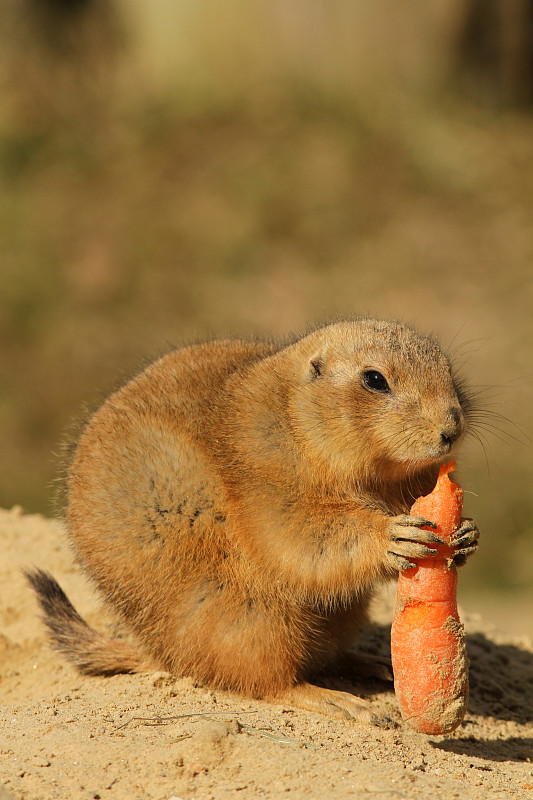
(465, 541)
(409, 540)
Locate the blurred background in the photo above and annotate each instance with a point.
(180, 170)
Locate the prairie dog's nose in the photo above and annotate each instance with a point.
(453, 427)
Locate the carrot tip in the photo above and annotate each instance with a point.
(445, 469)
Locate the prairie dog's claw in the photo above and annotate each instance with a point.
(465, 541)
(413, 521)
(340, 705)
(399, 563)
(412, 528)
(409, 540)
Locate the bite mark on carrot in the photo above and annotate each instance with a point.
(429, 656)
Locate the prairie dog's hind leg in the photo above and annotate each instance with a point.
(333, 703)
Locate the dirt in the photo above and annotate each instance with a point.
(159, 737)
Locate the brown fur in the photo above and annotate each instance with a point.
(234, 502)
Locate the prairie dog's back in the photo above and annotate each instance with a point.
(145, 504)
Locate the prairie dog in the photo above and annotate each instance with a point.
(237, 502)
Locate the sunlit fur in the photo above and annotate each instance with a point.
(233, 502)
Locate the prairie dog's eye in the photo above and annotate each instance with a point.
(375, 381)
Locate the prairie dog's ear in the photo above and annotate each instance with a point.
(317, 365)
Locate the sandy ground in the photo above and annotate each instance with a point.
(156, 736)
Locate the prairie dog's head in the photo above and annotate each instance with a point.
(375, 399)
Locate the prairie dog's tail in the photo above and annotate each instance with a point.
(91, 652)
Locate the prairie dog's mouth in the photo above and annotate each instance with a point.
(419, 457)
(398, 468)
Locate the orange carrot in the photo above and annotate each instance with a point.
(429, 657)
